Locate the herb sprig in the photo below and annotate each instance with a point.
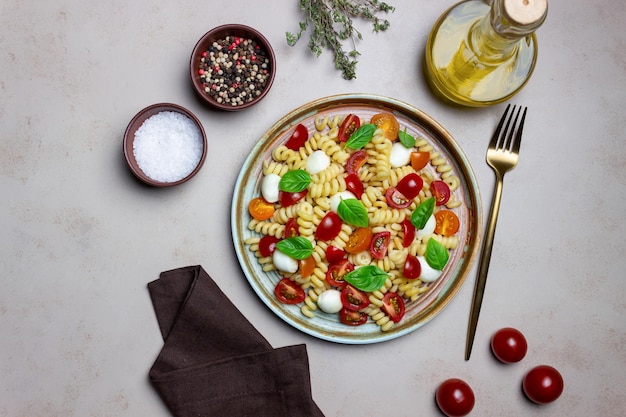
(333, 24)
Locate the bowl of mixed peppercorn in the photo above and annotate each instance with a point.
(232, 67)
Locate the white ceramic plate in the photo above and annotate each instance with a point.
(439, 294)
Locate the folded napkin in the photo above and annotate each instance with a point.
(214, 362)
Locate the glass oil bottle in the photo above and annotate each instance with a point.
(482, 52)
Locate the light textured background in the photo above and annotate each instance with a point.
(80, 238)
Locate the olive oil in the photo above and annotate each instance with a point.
(480, 54)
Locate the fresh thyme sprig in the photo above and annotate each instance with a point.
(332, 24)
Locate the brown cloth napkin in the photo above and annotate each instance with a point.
(214, 362)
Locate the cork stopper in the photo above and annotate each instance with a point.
(525, 12)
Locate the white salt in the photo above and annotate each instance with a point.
(168, 146)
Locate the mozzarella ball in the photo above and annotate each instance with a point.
(269, 188)
(330, 301)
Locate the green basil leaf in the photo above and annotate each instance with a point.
(297, 247)
(353, 212)
(436, 254)
(367, 278)
(294, 181)
(361, 136)
(422, 213)
(407, 140)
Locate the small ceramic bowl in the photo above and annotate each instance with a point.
(165, 145)
(241, 76)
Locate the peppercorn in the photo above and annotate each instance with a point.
(234, 70)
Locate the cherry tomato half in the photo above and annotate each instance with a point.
(353, 299)
(408, 229)
(455, 397)
(298, 138)
(393, 305)
(352, 318)
(396, 199)
(378, 246)
(419, 160)
(410, 185)
(260, 209)
(509, 345)
(543, 384)
(289, 292)
(354, 185)
(440, 191)
(329, 226)
(336, 272)
(267, 245)
(334, 254)
(359, 240)
(289, 199)
(355, 162)
(349, 125)
(388, 123)
(412, 267)
(307, 265)
(447, 223)
(291, 228)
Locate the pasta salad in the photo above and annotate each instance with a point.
(357, 216)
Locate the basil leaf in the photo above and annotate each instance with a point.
(407, 140)
(436, 254)
(297, 247)
(361, 136)
(422, 213)
(294, 181)
(367, 278)
(353, 212)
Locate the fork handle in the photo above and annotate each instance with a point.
(483, 265)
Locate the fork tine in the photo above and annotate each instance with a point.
(518, 136)
(496, 134)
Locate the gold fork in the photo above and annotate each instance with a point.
(502, 156)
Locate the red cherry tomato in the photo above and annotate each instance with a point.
(396, 199)
(393, 305)
(349, 125)
(359, 240)
(329, 227)
(288, 292)
(291, 228)
(353, 299)
(299, 136)
(440, 191)
(455, 397)
(334, 254)
(412, 267)
(419, 159)
(354, 185)
(355, 162)
(267, 245)
(411, 185)
(408, 229)
(289, 199)
(378, 246)
(509, 345)
(336, 272)
(543, 384)
(352, 318)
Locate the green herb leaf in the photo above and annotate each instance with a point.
(353, 212)
(407, 140)
(436, 254)
(297, 247)
(422, 213)
(294, 181)
(367, 278)
(361, 136)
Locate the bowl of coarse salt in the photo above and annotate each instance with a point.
(165, 145)
(232, 67)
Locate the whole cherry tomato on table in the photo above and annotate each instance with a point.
(543, 384)
(509, 345)
(455, 397)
